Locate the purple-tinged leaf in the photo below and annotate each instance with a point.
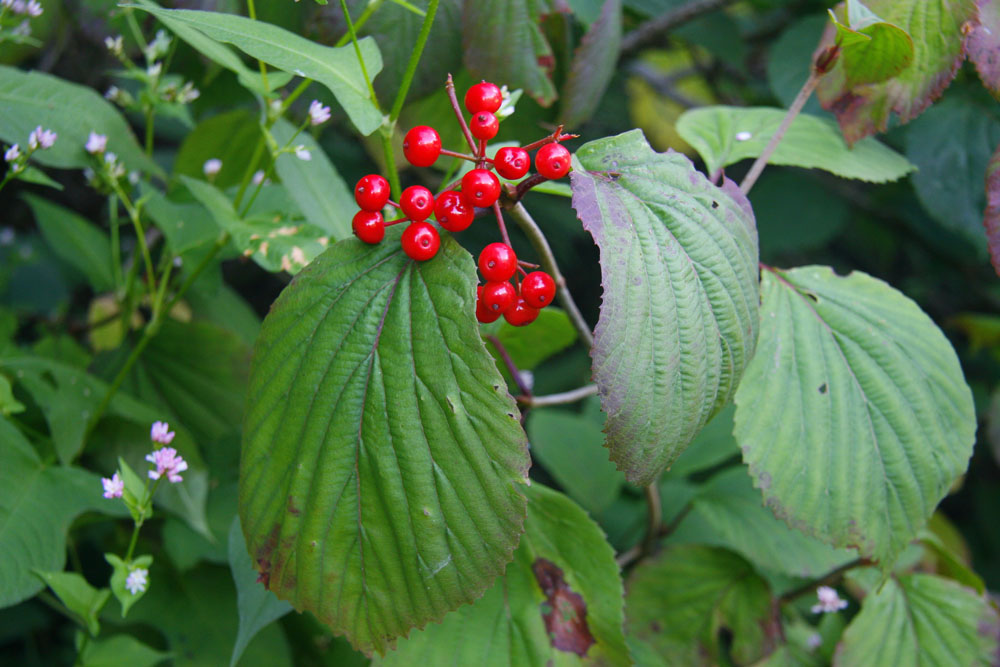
(593, 66)
(983, 45)
(938, 29)
(991, 219)
(679, 317)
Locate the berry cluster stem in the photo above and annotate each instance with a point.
(541, 246)
(450, 87)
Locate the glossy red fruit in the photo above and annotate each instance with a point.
(483, 314)
(372, 192)
(497, 262)
(421, 146)
(368, 226)
(483, 96)
(512, 162)
(417, 202)
(520, 314)
(552, 161)
(481, 187)
(453, 211)
(498, 297)
(538, 289)
(421, 241)
(484, 125)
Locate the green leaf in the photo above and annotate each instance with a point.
(875, 420)
(186, 225)
(983, 45)
(80, 597)
(8, 404)
(231, 137)
(789, 60)
(119, 576)
(30, 99)
(76, 240)
(871, 50)
(257, 606)
(593, 66)
(679, 252)
(335, 68)
(503, 42)
(372, 402)
(186, 547)
(991, 217)
(796, 212)
(949, 564)
(274, 246)
(38, 503)
(679, 601)
(713, 445)
(570, 447)
(951, 145)
(935, 26)
(549, 335)
(729, 512)
(315, 186)
(38, 177)
(559, 602)
(120, 651)
(725, 135)
(921, 619)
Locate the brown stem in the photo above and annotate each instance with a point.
(462, 156)
(501, 224)
(554, 137)
(525, 185)
(653, 518)
(648, 31)
(450, 87)
(511, 366)
(831, 577)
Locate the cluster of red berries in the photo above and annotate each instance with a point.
(454, 209)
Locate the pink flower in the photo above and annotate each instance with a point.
(41, 138)
(161, 433)
(113, 487)
(829, 601)
(96, 143)
(318, 114)
(167, 463)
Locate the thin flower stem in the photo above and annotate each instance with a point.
(411, 66)
(134, 541)
(149, 131)
(511, 366)
(541, 246)
(263, 68)
(450, 87)
(563, 398)
(362, 20)
(116, 251)
(258, 153)
(831, 577)
(134, 27)
(294, 95)
(133, 215)
(800, 100)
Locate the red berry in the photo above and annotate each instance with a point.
(520, 314)
(498, 297)
(421, 241)
(372, 192)
(497, 262)
(368, 226)
(538, 289)
(512, 162)
(481, 187)
(421, 146)
(453, 211)
(484, 125)
(483, 96)
(417, 202)
(552, 161)
(484, 314)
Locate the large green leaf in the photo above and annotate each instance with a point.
(936, 28)
(83, 600)
(871, 50)
(729, 512)
(336, 68)
(874, 422)
(76, 241)
(680, 600)
(559, 602)
(379, 484)
(38, 502)
(29, 99)
(921, 619)
(679, 316)
(593, 66)
(503, 43)
(230, 137)
(725, 135)
(983, 45)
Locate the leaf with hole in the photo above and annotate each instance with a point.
(382, 456)
(679, 317)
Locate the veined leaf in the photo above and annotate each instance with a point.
(559, 602)
(382, 460)
(874, 422)
(679, 600)
(871, 49)
(76, 240)
(30, 99)
(679, 315)
(921, 619)
(983, 45)
(725, 135)
(335, 68)
(936, 28)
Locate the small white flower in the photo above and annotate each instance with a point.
(137, 580)
(178, 262)
(110, 158)
(212, 167)
(7, 236)
(33, 8)
(40, 138)
(188, 93)
(744, 136)
(133, 177)
(160, 46)
(160, 432)
(23, 30)
(154, 70)
(113, 486)
(112, 93)
(276, 106)
(829, 601)
(7, 3)
(814, 641)
(19, 6)
(302, 153)
(96, 143)
(115, 44)
(318, 114)
(258, 177)
(12, 153)
(90, 176)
